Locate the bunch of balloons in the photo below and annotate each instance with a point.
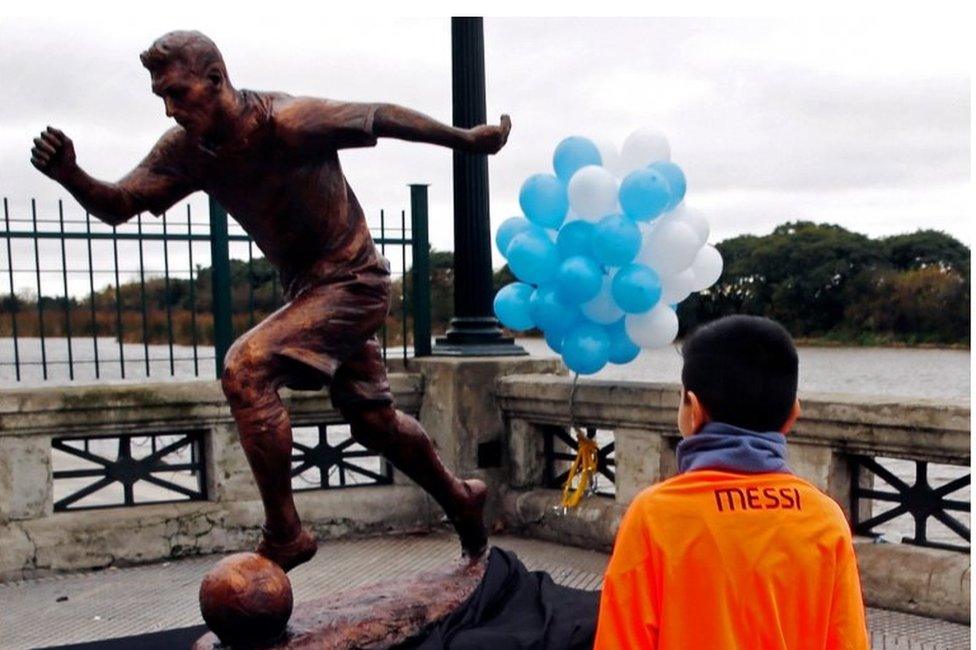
(605, 251)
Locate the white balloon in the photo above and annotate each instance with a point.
(692, 218)
(707, 267)
(643, 147)
(653, 329)
(608, 154)
(603, 309)
(646, 229)
(593, 192)
(675, 288)
(670, 247)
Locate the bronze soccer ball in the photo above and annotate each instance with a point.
(246, 599)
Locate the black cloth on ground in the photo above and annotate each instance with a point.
(516, 609)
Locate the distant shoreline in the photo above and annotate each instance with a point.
(820, 342)
(834, 343)
(814, 342)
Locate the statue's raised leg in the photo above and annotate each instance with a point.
(402, 441)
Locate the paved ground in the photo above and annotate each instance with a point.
(121, 602)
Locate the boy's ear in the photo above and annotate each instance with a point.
(699, 416)
(795, 413)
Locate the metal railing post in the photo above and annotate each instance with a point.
(421, 271)
(220, 284)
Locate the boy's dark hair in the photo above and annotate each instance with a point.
(743, 370)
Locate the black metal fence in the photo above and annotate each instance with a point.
(127, 470)
(560, 448)
(164, 297)
(920, 497)
(326, 457)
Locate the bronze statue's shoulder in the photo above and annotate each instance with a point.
(266, 103)
(173, 145)
(174, 137)
(289, 106)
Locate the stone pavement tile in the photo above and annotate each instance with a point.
(79, 607)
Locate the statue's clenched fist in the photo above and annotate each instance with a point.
(54, 154)
(490, 139)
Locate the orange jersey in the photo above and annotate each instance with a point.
(712, 560)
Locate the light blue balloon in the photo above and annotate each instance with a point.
(617, 240)
(532, 257)
(544, 200)
(573, 153)
(636, 288)
(507, 231)
(512, 306)
(622, 349)
(576, 238)
(555, 341)
(675, 177)
(644, 194)
(586, 348)
(579, 279)
(550, 313)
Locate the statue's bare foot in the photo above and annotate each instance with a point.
(289, 555)
(469, 521)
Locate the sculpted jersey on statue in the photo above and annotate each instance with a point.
(280, 179)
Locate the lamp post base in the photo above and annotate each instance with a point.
(476, 337)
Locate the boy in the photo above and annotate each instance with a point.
(735, 551)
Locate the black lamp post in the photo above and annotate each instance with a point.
(474, 330)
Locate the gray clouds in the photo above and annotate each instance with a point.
(865, 122)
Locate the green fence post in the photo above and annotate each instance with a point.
(220, 281)
(421, 271)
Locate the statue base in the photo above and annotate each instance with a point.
(380, 615)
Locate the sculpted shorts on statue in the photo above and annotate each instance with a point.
(326, 336)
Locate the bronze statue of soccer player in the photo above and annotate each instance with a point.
(272, 160)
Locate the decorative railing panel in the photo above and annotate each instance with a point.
(127, 470)
(561, 448)
(920, 498)
(326, 457)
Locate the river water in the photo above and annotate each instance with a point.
(890, 372)
(902, 372)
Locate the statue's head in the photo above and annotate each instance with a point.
(188, 73)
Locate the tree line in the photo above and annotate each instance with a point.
(821, 281)
(825, 282)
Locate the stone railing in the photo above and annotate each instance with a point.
(34, 538)
(835, 435)
(451, 397)
(498, 435)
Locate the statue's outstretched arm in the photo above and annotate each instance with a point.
(392, 121)
(144, 188)
(317, 125)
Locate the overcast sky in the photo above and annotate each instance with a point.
(859, 122)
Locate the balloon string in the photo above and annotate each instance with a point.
(572, 402)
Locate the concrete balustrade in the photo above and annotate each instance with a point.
(452, 398)
(34, 539)
(486, 418)
(832, 429)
